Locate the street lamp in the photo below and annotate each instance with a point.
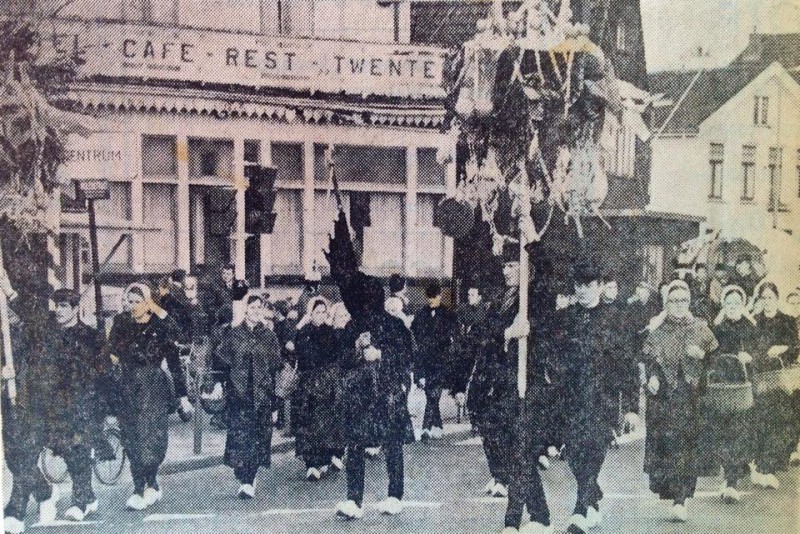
(90, 191)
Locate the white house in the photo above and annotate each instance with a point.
(727, 147)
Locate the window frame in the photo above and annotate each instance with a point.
(775, 200)
(716, 162)
(748, 173)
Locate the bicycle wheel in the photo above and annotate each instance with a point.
(52, 467)
(108, 472)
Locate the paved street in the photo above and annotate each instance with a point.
(443, 481)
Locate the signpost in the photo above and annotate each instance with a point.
(90, 191)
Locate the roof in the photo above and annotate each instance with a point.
(712, 89)
(765, 49)
(447, 22)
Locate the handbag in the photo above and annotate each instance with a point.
(286, 381)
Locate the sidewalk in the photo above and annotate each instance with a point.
(181, 456)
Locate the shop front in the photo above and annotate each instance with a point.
(176, 162)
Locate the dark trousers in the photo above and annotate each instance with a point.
(246, 473)
(28, 480)
(143, 476)
(496, 446)
(322, 457)
(433, 415)
(585, 458)
(355, 470)
(79, 466)
(526, 490)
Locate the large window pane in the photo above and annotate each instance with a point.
(113, 212)
(288, 159)
(371, 165)
(159, 155)
(430, 241)
(210, 157)
(160, 212)
(430, 171)
(325, 213)
(383, 239)
(287, 234)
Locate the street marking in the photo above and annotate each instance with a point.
(64, 523)
(654, 497)
(292, 511)
(170, 517)
(471, 441)
(416, 504)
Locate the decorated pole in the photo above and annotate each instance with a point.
(6, 333)
(524, 275)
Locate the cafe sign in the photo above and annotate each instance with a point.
(214, 57)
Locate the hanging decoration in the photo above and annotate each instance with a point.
(530, 102)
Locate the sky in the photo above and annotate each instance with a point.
(675, 29)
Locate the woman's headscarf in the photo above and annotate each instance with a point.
(143, 290)
(727, 290)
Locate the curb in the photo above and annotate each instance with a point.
(205, 462)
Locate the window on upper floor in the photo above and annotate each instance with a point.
(748, 173)
(621, 43)
(151, 11)
(761, 110)
(620, 156)
(715, 160)
(291, 18)
(776, 179)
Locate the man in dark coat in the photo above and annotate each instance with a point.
(376, 361)
(217, 295)
(586, 348)
(469, 338)
(22, 435)
(62, 390)
(433, 329)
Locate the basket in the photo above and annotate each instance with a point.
(783, 378)
(726, 397)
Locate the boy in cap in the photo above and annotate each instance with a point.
(587, 346)
(63, 390)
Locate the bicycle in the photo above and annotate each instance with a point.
(108, 472)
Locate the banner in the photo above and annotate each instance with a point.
(133, 51)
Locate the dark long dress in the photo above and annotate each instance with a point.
(775, 415)
(672, 413)
(146, 392)
(725, 440)
(247, 360)
(319, 426)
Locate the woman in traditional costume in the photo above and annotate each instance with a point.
(675, 358)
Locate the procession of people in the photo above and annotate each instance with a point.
(338, 376)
